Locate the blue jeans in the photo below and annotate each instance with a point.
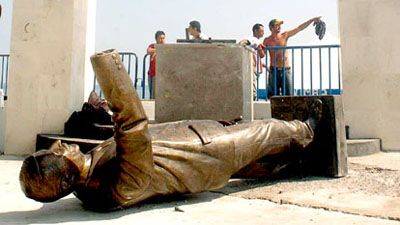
(283, 81)
(152, 86)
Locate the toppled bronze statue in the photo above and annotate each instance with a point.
(141, 162)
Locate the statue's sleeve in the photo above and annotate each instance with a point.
(134, 154)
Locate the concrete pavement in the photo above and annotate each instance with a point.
(369, 195)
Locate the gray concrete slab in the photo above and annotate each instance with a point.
(232, 205)
(372, 188)
(362, 147)
(384, 160)
(149, 106)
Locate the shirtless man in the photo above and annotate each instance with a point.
(279, 60)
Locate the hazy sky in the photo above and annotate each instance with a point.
(130, 25)
(5, 26)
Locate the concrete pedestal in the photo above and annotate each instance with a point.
(203, 81)
(47, 68)
(327, 154)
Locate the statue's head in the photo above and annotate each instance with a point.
(48, 175)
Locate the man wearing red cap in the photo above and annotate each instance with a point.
(279, 61)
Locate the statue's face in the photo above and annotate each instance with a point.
(70, 152)
(51, 174)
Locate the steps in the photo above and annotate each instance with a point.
(362, 147)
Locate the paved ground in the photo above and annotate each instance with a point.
(369, 195)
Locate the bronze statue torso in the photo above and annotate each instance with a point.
(178, 157)
(183, 162)
(188, 157)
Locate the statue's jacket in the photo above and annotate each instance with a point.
(179, 157)
(143, 161)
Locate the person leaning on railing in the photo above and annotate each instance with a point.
(255, 42)
(279, 60)
(151, 50)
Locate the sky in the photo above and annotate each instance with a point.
(130, 25)
(5, 26)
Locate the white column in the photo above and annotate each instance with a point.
(90, 45)
(371, 72)
(47, 68)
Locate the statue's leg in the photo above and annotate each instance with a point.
(280, 160)
(260, 138)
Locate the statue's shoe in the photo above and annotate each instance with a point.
(315, 114)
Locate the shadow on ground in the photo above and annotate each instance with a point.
(70, 209)
(240, 185)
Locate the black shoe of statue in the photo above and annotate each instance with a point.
(315, 114)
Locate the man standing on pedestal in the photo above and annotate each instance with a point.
(279, 67)
(151, 50)
(195, 31)
(256, 43)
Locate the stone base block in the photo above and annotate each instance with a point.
(362, 147)
(203, 81)
(327, 154)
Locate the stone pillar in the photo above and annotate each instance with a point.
(90, 45)
(370, 63)
(203, 81)
(47, 68)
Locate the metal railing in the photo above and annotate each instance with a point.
(314, 70)
(132, 67)
(129, 59)
(146, 58)
(309, 70)
(139, 82)
(4, 60)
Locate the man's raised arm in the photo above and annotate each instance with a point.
(302, 26)
(134, 152)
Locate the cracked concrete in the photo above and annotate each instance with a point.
(369, 195)
(372, 188)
